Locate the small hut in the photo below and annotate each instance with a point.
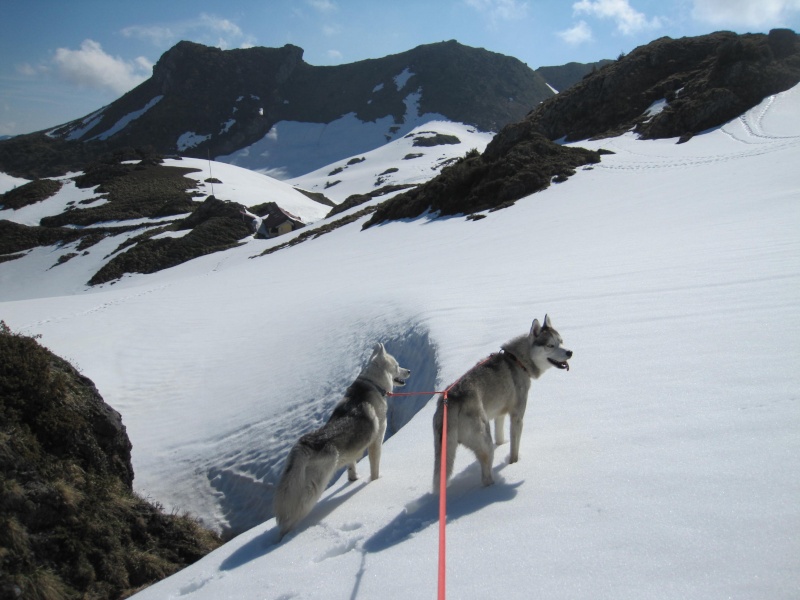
(275, 221)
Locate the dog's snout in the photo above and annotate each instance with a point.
(569, 353)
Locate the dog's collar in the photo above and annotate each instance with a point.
(380, 389)
(514, 358)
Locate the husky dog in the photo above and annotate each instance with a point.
(357, 423)
(493, 389)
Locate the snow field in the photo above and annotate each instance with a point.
(662, 465)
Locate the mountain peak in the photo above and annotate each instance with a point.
(203, 101)
(187, 60)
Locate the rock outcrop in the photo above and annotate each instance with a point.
(70, 524)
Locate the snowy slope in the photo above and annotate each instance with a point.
(293, 148)
(397, 163)
(39, 273)
(251, 188)
(401, 162)
(662, 465)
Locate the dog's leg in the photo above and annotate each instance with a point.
(486, 455)
(500, 430)
(351, 472)
(516, 433)
(374, 452)
(304, 479)
(479, 440)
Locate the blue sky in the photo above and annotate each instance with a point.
(61, 60)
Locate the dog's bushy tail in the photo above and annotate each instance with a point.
(305, 477)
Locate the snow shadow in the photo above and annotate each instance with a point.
(268, 541)
(465, 496)
(413, 350)
(245, 478)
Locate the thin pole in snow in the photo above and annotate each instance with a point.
(210, 176)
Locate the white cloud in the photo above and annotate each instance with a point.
(576, 35)
(627, 19)
(90, 66)
(27, 69)
(500, 10)
(205, 29)
(155, 34)
(325, 6)
(770, 13)
(335, 55)
(227, 30)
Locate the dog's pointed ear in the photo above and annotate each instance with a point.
(547, 323)
(536, 329)
(377, 349)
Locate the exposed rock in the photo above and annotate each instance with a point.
(29, 193)
(563, 77)
(70, 525)
(515, 164)
(706, 81)
(215, 225)
(211, 208)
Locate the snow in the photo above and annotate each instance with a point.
(401, 80)
(190, 139)
(88, 123)
(356, 176)
(251, 188)
(36, 275)
(656, 107)
(8, 182)
(33, 213)
(127, 119)
(293, 148)
(662, 465)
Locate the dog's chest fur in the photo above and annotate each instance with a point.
(497, 386)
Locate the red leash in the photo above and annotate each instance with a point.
(443, 498)
(442, 485)
(442, 477)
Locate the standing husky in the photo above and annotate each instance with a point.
(492, 389)
(358, 422)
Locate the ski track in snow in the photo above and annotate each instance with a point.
(747, 132)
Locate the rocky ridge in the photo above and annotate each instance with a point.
(695, 83)
(203, 101)
(70, 524)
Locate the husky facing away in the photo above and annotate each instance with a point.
(357, 423)
(493, 389)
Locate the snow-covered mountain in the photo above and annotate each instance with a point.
(66, 268)
(662, 465)
(269, 110)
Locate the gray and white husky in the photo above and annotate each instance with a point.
(493, 389)
(357, 423)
